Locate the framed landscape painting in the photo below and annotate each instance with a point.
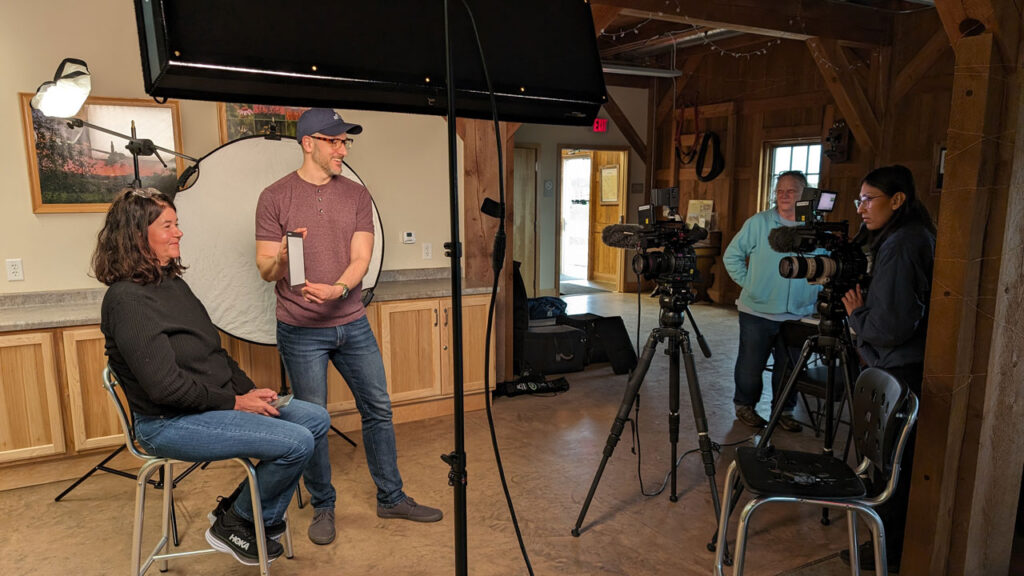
(82, 169)
(241, 120)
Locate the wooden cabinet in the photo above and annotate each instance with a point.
(416, 342)
(474, 332)
(94, 421)
(30, 415)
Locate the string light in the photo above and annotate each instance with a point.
(622, 32)
(723, 52)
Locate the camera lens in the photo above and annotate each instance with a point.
(812, 268)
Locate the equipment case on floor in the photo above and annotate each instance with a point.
(554, 349)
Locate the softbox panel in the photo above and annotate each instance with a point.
(381, 55)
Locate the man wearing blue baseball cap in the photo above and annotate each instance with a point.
(325, 318)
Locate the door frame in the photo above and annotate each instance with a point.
(558, 201)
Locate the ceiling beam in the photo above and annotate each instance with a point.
(632, 136)
(793, 19)
(603, 16)
(963, 18)
(926, 56)
(849, 96)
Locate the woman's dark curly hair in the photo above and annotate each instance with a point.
(122, 248)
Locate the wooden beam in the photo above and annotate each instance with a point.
(603, 16)
(793, 19)
(670, 101)
(926, 57)
(849, 96)
(965, 18)
(955, 364)
(625, 127)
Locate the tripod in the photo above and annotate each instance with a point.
(674, 301)
(833, 344)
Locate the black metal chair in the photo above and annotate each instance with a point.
(884, 411)
(150, 464)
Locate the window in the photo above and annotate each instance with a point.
(805, 157)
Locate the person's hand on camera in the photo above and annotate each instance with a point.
(852, 300)
(257, 401)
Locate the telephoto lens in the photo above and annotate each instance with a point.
(814, 269)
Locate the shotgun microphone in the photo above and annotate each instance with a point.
(621, 235)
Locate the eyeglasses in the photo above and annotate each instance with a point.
(336, 143)
(865, 200)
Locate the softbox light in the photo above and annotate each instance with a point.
(382, 55)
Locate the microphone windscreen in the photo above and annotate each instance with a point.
(621, 235)
(697, 233)
(785, 239)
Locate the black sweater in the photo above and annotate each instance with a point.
(166, 351)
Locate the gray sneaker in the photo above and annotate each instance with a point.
(321, 529)
(410, 510)
(749, 416)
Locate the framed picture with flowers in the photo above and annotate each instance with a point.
(241, 120)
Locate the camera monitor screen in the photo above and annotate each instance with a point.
(827, 201)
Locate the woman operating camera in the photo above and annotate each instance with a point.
(892, 320)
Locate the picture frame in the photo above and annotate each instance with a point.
(610, 184)
(238, 120)
(83, 169)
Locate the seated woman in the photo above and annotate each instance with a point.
(892, 320)
(190, 400)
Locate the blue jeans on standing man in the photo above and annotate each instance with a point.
(760, 337)
(353, 350)
(283, 446)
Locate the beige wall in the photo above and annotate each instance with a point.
(401, 158)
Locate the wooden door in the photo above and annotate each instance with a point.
(608, 201)
(30, 422)
(94, 420)
(410, 332)
(524, 214)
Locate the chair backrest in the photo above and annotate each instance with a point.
(884, 410)
(111, 385)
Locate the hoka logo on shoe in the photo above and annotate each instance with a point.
(239, 542)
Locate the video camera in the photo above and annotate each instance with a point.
(844, 267)
(664, 248)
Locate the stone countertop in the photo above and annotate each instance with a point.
(43, 310)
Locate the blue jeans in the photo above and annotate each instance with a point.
(353, 351)
(759, 337)
(283, 446)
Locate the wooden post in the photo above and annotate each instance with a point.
(969, 449)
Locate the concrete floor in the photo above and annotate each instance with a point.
(550, 448)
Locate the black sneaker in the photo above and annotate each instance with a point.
(233, 535)
(273, 531)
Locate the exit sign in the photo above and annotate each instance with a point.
(600, 124)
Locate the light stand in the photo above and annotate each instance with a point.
(456, 459)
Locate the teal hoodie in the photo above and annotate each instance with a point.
(755, 267)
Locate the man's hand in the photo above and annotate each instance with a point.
(853, 300)
(320, 293)
(257, 401)
(272, 259)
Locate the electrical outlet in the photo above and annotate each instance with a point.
(428, 251)
(14, 270)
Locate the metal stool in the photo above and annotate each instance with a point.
(150, 464)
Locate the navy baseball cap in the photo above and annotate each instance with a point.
(324, 121)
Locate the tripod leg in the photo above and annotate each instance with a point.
(628, 398)
(343, 436)
(673, 408)
(787, 390)
(101, 466)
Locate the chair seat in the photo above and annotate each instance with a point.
(797, 474)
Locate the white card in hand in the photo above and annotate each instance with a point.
(296, 264)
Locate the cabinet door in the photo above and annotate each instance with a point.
(94, 420)
(474, 330)
(339, 397)
(410, 334)
(30, 424)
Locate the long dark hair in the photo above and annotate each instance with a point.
(122, 248)
(890, 180)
